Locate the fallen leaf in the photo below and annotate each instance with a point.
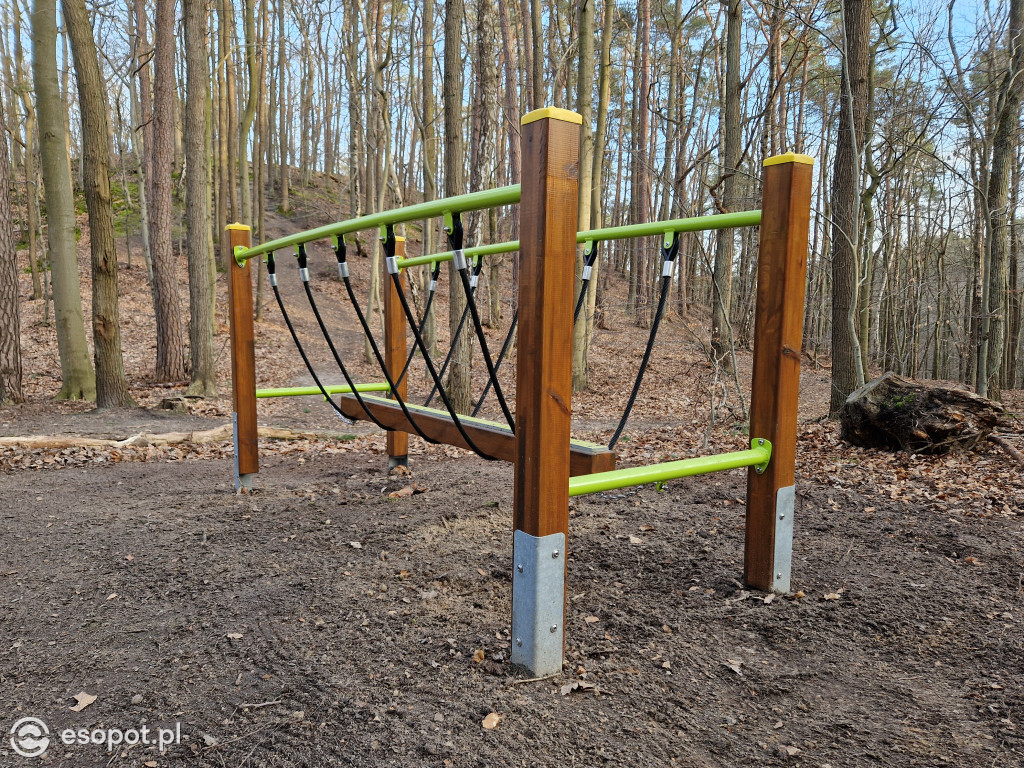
(491, 721)
(83, 700)
(355, 545)
(768, 599)
(478, 655)
(973, 560)
(646, 527)
(832, 596)
(408, 490)
(635, 540)
(591, 619)
(150, 764)
(112, 596)
(791, 750)
(235, 635)
(734, 666)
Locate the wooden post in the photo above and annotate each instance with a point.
(778, 330)
(243, 360)
(395, 352)
(547, 214)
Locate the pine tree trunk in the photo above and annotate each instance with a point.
(585, 106)
(79, 383)
(112, 389)
(10, 326)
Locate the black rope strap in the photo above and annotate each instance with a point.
(339, 251)
(589, 256)
(304, 277)
(455, 236)
(431, 291)
(392, 265)
(271, 271)
(501, 357)
(451, 350)
(668, 254)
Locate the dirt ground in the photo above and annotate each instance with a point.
(320, 622)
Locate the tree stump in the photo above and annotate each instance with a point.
(900, 414)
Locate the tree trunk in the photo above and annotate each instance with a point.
(112, 389)
(585, 106)
(197, 203)
(170, 348)
(1007, 121)
(895, 413)
(10, 326)
(725, 243)
(429, 162)
(846, 373)
(459, 371)
(79, 383)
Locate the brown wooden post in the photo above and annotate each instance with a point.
(243, 360)
(778, 330)
(547, 214)
(395, 352)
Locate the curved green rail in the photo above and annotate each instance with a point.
(692, 224)
(474, 201)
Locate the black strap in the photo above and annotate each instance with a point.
(501, 357)
(434, 273)
(389, 253)
(668, 254)
(339, 251)
(304, 277)
(451, 351)
(455, 236)
(588, 266)
(271, 271)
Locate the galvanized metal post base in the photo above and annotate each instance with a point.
(243, 482)
(398, 461)
(538, 602)
(785, 499)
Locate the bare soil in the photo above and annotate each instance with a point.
(320, 622)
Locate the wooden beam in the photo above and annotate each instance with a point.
(495, 439)
(547, 252)
(394, 353)
(243, 359)
(778, 329)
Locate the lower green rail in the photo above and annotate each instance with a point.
(333, 389)
(758, 456)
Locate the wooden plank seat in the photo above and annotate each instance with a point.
(490, 437)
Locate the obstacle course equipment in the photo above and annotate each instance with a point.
(549, 467)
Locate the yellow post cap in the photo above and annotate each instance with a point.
(789, 157)
(239, 227)
(399, 239)
(553, 112)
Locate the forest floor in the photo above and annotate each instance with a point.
(321, 621)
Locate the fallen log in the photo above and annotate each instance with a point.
(899, 414)
(216, 435)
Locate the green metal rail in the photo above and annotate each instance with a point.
(758, 456)
(332, 389)
(474, 201)
(692, 224)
